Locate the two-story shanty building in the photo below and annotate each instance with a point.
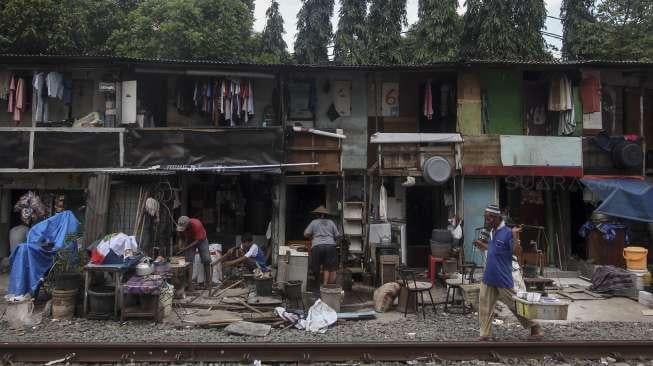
(254, 148)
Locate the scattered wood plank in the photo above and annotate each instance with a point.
(251, 307)
(248, 329)
(227, 288)
(264, 301)
(647, 312)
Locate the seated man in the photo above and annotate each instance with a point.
(247, 255)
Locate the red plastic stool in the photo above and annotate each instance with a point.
(433, 267)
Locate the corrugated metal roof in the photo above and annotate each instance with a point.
(235, 64)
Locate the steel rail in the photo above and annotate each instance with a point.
(315, 352)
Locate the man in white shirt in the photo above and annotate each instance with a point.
(247, 254)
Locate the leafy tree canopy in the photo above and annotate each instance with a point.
(436, 35)
(58, 26)
(273, 47)
(504, 29)
(385, 45)
(217, 29)
(314, 31)
(349, 40)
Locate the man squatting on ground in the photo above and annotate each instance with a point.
(498, 282)
(247, 255)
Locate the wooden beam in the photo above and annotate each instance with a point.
(539, 171)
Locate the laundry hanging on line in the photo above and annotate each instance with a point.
(561, 100)
(228, 100)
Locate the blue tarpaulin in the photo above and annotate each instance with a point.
(624, 198)
(31, 260)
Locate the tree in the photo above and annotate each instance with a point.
(216, 29)
(436, 35)
(504, 29)
(273, 47)
(349, 40)
(314, 31)
(625, 29)
(64, 26)
(384, 24)
(578, 22)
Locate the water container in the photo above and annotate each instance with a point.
(101, 300)
(332, 295)
(440, 250)
(63, 303)
(263, 286)
(635, 258)
(19, 313)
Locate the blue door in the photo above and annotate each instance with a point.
(477, 194)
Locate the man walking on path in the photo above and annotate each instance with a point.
(497, 280)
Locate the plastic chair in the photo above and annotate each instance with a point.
(413, 286)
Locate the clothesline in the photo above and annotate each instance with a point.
(231, 100)
(44, 85)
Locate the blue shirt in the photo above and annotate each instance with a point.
(498, 269)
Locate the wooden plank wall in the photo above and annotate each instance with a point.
(482, 150)
(306, 147)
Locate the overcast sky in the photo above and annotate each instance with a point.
(289, 9)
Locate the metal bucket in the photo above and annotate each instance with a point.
(263, 286)
(332, 295)
(293, 290)
(101, 300)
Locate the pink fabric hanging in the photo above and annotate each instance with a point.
(19, 107)
(12, 93)
(428, 101)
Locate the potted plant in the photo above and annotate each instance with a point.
(66, 272)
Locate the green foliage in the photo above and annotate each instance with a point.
(436, 35)
(349, 40)
(314, 31)
(58, 26)
(626, 30)
(385, 45)
(504, 29)
(613, 29)
(217, 29)
(578, 21)
(273, 48)
(67, 260)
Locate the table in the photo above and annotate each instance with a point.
(117, 270)
(148, 290)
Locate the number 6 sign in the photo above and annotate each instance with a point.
(390, 100)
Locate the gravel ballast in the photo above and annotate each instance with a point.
(438, 327)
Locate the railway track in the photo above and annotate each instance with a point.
(315, 352)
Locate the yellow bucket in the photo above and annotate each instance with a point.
(635, 257)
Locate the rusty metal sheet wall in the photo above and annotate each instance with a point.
(482, 150)
(97, 204)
